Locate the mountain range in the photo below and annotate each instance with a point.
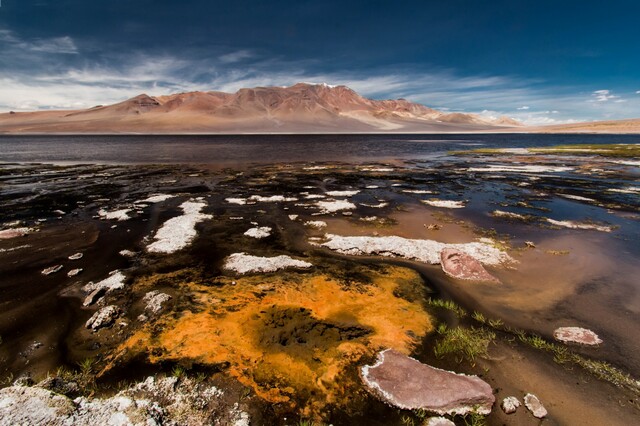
(301, 108)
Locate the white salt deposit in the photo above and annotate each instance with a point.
(293, 216)
(501, 213)
(314, 196)
(577, 197)
(259, 232)
(156, 198)
(628, 190)
(115, 281)
(240, 201)
(176, 233)
(578, 225)
(118, 215)
(417, 191)
(530, 168)
(376, 206)
(427, 251)
(372, 187)
(271, 199)
(445, 204)
(243, 263)
(317, 224)
(335, 206)
(342, 193)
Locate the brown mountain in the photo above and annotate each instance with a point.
(301, 108)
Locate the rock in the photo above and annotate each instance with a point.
(510, 404)
(459, 265)
(406, 383)
(579, 335)
(530, 244)
(143, 318)
(439, 421)
(103, 318)
(59, 385)
(535, 406)
(51, 270)
(94, 296)
(21, 405)
(154, 300)
(76, 256)
(115, 281)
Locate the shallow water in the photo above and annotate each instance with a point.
(571, 277)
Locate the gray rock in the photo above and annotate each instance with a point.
(535, 406)
(21, 405)
(94, 296)
(154, 300)
(406, 383)
(510, 404)
(103, 318)
(460, 265)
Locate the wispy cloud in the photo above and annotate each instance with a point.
(44, 73)
(57, 45)
(603, 96)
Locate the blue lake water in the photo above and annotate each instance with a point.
(239, 149)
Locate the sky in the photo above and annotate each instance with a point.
(542, 62)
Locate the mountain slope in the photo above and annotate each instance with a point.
(301, 108)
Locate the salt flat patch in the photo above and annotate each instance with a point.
(427, 251)
(381, 205)
(628, 190)
(119, 215)
(417, 191)
(176, 233)
(626, 162)
(239, 201)
(259, 232)
(156, 198)
(115, 281)
(348, 193)
(509, 215)
(313, 196)
(445, 204)
(243, 263)
(6, 234)
(577, 198)
(377, 169)
(530, 168)
(335, 206)
(315, 168)
(271, 199)
(317, 224)
(579, 225)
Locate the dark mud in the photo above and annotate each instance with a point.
(291, 342)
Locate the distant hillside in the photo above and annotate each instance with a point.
(301, 108)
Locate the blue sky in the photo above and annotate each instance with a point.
(538, 61)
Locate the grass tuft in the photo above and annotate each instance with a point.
(449, 305)
(464, 343)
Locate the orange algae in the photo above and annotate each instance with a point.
(295, 338)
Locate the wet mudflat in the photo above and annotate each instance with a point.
(277, 283)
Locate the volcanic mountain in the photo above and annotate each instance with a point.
(301, 108)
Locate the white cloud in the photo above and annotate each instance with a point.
(638, 92)
(238, 56)
(524, 107)
(56, 45)
(603, 95)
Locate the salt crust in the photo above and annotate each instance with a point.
(258, 232)
(176, 233)
(577, 225)
(243, 263)
(445, 204)
(427, 251)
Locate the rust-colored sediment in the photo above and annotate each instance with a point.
(294, 339)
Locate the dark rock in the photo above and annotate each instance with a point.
(460, 265)
(59, 385)
(406, 383)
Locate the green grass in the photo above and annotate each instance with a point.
(449, 305)
(178, 371)
(464, 343)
